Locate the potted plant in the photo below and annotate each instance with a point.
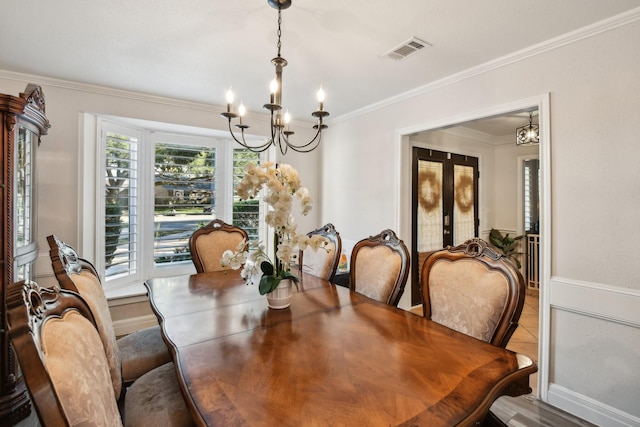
(280, 185)
(506, 244)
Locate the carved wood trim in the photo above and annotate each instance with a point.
(482, 252)
(331, 234)
(389, 239)
(215, 225)
(28, 108)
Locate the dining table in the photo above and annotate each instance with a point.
(333, 358)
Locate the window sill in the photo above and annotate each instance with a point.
(126, 294)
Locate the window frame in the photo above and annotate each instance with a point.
(222, 196)
(520, 210)
(98, 261)
(92, 157)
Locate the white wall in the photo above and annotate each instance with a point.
(506, 182)
(593, 335)
(594, 332)
(58, 158)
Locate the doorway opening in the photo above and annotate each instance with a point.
(496, 191)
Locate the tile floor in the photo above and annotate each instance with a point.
(525, 339)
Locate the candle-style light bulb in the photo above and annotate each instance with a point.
(229, 100)
(241, 111)
(287, 119)
(273, 88)
(320, 99)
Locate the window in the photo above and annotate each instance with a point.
(246, 213)
(184, 198)
(121, 221)
(531, 180)
(154, 190)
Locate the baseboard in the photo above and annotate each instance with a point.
(589, 409)
(132, 324)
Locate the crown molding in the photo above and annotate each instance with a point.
(592, 30)
(108, 91)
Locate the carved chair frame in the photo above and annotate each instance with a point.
(482, 252)
(29, 307)
(330, 233)
(213, 226)
(389, 239)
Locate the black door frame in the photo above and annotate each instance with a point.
(449, 160)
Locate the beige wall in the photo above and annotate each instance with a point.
(593, 335)
(59, 167)
(59, 156)
(593, 88)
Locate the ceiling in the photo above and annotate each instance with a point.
(195, 50)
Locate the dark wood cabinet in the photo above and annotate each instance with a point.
(23, 122)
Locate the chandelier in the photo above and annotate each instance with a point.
(527, 134)
(280, 132)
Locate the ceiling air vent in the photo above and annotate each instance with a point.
(407, 48)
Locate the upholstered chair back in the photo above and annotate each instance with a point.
(380, 267)
(209, 242)
(473, 289)
(322, 262)
(62, 357)
(130, 356)
(79, 275)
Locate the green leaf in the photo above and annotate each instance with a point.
(289, 275)
(292, 277)
(267, 268)
(268, 284)
(495, 237)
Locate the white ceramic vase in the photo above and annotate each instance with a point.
(280, 297)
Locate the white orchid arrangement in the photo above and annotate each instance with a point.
(281, 185)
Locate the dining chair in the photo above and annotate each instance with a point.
(209, 242)
(130, 356)
(380, 267)
(322, 263)
(473, 289)
(65, 367)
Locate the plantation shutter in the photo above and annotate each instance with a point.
(121, 203)
(246, 213)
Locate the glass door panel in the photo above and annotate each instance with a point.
(430, 221)
(25, 249)
(464, 213)
(445, 205)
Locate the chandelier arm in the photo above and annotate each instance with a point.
(282, 147)
(302, 148)
(255, 149)
(274, 126)
(279, 128)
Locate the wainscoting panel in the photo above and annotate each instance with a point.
(595, 358)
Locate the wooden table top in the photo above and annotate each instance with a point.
(333, 358)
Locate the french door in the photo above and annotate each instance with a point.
(444, 205)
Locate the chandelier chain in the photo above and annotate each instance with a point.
(280, 131)
(279, 30)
